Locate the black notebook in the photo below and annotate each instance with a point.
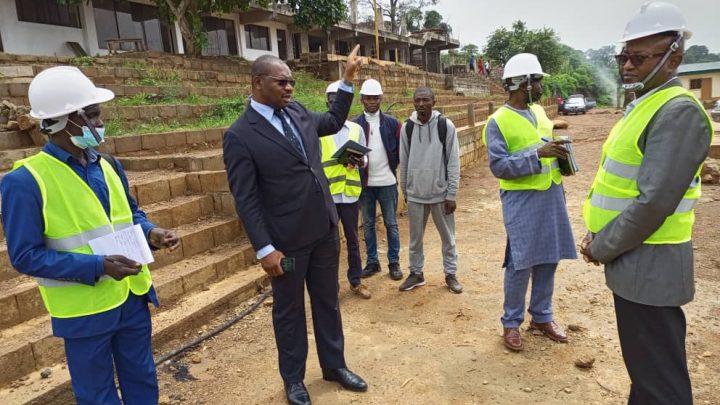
(569, 166)
(349, 148)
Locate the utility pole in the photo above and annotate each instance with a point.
(377, 31)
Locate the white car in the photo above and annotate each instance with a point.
(574, 104)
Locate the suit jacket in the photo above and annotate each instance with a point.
(675, 143)
(282, 198)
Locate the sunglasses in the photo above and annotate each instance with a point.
(282, 82)
(637, 59)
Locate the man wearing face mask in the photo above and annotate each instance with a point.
(523, 157)
(429, 180)
(640, 209)
(53, 203)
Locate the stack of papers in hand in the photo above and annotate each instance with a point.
(350, 148)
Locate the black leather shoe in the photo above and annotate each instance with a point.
(370, 270)
(346, 378)
(297, 394)
(395, 272)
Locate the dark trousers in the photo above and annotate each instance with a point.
(652, 340)
(92, 361)
(348, 214)
(316, 266)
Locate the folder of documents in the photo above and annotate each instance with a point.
(569, 166)
(349, 148)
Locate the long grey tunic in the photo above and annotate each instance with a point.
(536, 222)
(674, 144)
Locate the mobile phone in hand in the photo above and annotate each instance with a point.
(288, 264)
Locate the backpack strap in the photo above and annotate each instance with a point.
(113, 162)
(409, 127)
(442, 134)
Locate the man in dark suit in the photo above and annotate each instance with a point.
(272, 157)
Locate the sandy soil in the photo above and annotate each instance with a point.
(428, 346)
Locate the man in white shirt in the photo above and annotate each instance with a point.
(382, 134)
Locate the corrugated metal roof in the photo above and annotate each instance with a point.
(698, 67)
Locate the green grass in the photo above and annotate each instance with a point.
(308, 91)
(141, 99)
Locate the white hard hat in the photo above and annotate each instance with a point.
(655, 17)
(522, 64)
(62, 90)
(333, 87)
(371, 87)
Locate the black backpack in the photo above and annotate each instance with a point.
(442, 132)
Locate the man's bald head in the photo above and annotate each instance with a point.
(265, 64)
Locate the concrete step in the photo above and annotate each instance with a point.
(30, 346)
(130, 144)
(20, 300)
(228, 90)
(180, 210)
(15, 140)
(715, 147)
(10, 156)
(195, 195)
(192, 161)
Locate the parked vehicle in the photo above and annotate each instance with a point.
(715, 112)
(575, 104)
(589, 103)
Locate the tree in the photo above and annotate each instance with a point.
(700, 54)
(470, 49)
(318, 13)
(433, 19)
(188, 14)
(503, 44)
(397, 10)
(603, 57)
(414, 19)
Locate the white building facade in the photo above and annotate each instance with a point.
(43, 27)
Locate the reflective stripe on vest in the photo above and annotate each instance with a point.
(72, 216)
(615, 186)
(522, 137)
(341, 179)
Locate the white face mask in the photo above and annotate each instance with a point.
(87, 139)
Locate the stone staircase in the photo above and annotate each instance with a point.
(178, 179)
(214, 258)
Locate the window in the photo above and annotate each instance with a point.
(122, 19)
(257, 37)
(221, 37)
(695, 84)
(48, 12)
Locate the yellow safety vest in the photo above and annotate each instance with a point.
(615, 186)
(341, 179)
(73, 216)
(521, 136)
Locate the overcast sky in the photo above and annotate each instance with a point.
(580, 24)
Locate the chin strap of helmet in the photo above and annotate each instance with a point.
(637, 86)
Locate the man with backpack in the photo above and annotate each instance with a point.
(429, 179)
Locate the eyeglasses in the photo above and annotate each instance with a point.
(637, 59)
(281, 81)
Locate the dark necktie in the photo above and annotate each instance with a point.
(288, 132)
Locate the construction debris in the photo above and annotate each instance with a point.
(711, 171)
(14, 118)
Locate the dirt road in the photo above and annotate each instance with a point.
(428, 346)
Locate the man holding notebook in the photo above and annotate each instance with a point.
(345, 186)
